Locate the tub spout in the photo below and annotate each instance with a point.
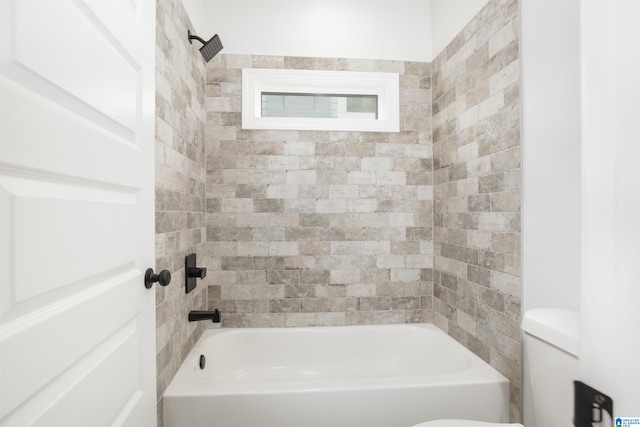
(214, 316)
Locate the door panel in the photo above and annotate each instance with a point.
(62, 336)
(93, 146)
(121, 393)
(84, 221)
(51, 35)
(77, 326)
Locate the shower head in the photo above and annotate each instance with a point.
(210, 48)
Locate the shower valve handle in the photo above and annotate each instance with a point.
(164, 278)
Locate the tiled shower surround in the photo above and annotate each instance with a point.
(180, 186)
(476, 144)
(310, 228)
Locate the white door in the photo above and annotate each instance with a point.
(77, 326)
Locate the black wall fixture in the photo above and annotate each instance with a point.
(192, 273)
(590, 405)
(209, 48)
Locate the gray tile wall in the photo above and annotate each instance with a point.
(310, 228)
(476, 142)
(180, 186)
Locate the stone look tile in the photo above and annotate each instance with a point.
(330, 206)
(180, 187)
(476, 194)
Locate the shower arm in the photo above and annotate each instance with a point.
(192, 37)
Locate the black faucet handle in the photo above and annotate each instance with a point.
(197, 272)
(192, 272)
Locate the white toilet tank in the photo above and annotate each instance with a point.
(551, 360)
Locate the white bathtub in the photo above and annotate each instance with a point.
(346, 376)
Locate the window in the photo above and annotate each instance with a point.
(319, 105)
(320, 100)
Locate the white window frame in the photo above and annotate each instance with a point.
(385, 86)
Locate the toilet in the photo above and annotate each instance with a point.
(551, 366)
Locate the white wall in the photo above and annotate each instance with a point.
(381, 29)
(448, 17)
(406, 30)
(581, 181)
(551, 153)
(610, 301)
(550, 89)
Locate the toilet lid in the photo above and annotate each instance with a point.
(463, 423)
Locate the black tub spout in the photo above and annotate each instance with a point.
(214, 316)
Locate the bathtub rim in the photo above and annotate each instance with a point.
(186, 383)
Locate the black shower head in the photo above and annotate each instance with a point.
(210, 48)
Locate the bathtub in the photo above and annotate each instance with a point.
(344, 376)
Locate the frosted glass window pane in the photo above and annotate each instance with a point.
(320, 100)
(308, 105)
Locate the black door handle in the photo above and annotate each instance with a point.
(164, 278)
